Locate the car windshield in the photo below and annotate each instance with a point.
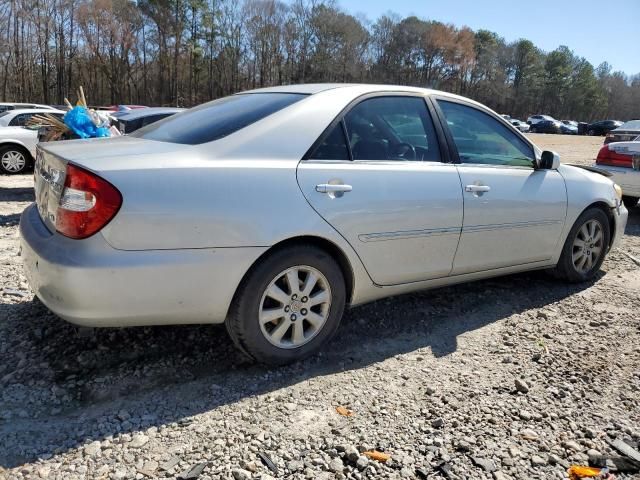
(214, 120)
(632, 125)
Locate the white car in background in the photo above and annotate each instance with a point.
(4, 106)
(17, 149)
(19, 118)
(533, 119)
(520, 125)
(622, 161)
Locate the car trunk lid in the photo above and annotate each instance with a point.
(622, 136)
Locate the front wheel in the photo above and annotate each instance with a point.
(630, 201)
(591, 133)
(585, 247)
(289, 306)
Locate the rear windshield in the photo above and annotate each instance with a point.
(217, 119)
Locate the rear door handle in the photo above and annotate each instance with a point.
(477, 188)
(333, 188)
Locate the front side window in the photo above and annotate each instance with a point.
(214, 120)
(392, 128)
(481, 139)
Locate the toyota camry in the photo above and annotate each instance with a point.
(272, 210)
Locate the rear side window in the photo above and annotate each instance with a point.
(334, 147)
(392, 128)
(20, 120)
(382, 128)
(214, 120)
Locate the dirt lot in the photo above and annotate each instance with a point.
(515, 377)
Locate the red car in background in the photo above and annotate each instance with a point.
(622, 161)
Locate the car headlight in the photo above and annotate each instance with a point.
(618, 191)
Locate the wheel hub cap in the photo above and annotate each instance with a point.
(294, 307)
(588, 246)
(13, 161)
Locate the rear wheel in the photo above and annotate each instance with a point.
(13, 159)
(585, 247)
(288, 306)
(630, 201)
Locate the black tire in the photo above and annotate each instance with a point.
(630, 201)
(565, 269)
(533, 129)
(14, 149)
(591, 133)
(243, 322)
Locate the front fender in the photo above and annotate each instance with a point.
(584, 188)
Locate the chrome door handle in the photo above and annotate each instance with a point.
(333, 188)
(477, 188)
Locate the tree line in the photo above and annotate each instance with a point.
(185, 52)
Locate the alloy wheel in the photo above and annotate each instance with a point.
(294, 307)
(587, 246)
(13, 161)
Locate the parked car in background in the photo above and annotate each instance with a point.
(19, 118)
(602, 127)
(133, 120)
(533, 119)
(626, 132)
(383, 193)
(17, 149)
(568, 127)
(4, 106)
(546, 126)
(519, 124)
(622, 160)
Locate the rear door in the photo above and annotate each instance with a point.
(513, 213)
(379, 176)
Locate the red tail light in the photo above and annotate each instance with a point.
(612, 158)
(87, 204)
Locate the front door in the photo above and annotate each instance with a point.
(378, 178)
(513, 213)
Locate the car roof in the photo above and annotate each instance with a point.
(146, 112)
(18, 111)
(37, 105)
(361, 88)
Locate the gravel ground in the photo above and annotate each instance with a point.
(516, 377)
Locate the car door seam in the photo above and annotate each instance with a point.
(331, 226)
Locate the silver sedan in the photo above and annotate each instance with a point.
(272, 210)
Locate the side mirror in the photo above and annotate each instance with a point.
(549, 160)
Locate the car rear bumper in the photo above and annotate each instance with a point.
(627, 178)
(89, 283)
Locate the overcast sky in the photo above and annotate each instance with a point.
(599, 31)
